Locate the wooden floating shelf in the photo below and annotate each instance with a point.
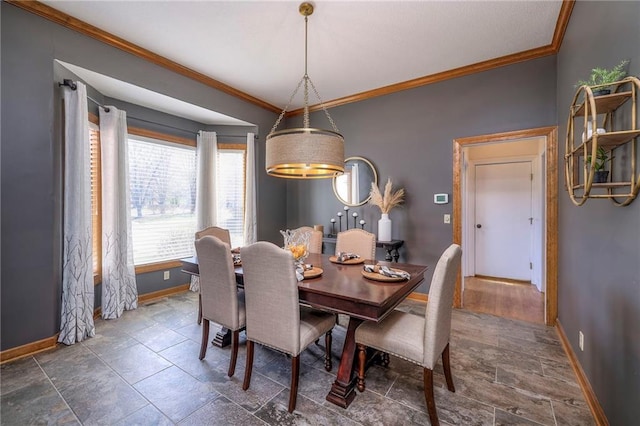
(606, 103)
(620, 130)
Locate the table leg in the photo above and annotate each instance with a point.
(223, 338)
(342, 391)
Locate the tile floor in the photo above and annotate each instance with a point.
(143, 369)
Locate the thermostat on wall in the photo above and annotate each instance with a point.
(441, 198)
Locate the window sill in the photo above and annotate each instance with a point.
(158, 266)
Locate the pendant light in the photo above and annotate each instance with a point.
(306, 152)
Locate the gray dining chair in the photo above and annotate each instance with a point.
(357, 241)
(222, 234)
(315, 238)
(274, 316)
(214, 231)
(420, 340)
(222, 303)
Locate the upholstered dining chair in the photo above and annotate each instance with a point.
(357, 241)
(414, 338)
(222, 303)
(315, 238)
(274, 316)
(222, 234)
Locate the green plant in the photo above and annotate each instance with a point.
(601, 159)
(601, 76)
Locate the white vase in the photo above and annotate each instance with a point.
(384, 228)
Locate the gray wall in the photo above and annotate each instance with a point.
(409, 137)
(31, 158)
(599, 244)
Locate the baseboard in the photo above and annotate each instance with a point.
(29, 349)
(583, 381)
(148, 297)
(51, 342)
(422, 297)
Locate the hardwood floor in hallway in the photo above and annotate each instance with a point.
(514, 300)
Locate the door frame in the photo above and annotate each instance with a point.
(468, 209)
(550, 134)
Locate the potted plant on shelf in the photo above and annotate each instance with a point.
(601, 78)
(385, 202)
(600, 175)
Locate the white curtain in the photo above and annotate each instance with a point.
(207, 156)
(119, 291)
(250, 223)
(77, 274)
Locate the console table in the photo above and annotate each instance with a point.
(391, 247)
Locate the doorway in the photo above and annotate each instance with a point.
(548, 218)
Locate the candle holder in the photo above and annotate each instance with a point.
(333, 227)
(346, 216)
(355, 219)
(339, 221)
(362, 222)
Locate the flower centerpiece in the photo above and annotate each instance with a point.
(297, 243)
(385, 202)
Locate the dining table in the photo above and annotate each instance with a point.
(343, 288)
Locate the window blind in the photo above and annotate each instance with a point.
(96, 197)
(163, 190)
(230, 187)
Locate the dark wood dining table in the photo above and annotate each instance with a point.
(343, 289)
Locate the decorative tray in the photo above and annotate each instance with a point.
(356, 261)
(313, 272)
(375, 276)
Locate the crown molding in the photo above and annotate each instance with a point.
(550, 49)
(82, 27)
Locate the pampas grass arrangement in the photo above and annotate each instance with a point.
(388, 200)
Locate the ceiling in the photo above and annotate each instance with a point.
(355, 47)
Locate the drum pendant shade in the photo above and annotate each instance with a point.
(306, 152)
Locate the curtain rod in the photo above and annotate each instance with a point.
(73, 86)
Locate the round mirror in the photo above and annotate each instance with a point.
(353, 187)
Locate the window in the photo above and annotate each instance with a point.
(162, 173)
(162, 183)
(96, 200)
(230, 186)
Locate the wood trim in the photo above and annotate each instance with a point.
(161, 136)
(29, 349)
(158, 266)
(551, 212)
(82, 27)
(551, 293)
(421, 297)
(490, 64)
(238, 146)
(94, 119)
(583, 381)
(562, 24)
(148, 297)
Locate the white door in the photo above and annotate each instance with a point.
(503, 220)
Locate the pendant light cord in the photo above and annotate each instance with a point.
(307, 81)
